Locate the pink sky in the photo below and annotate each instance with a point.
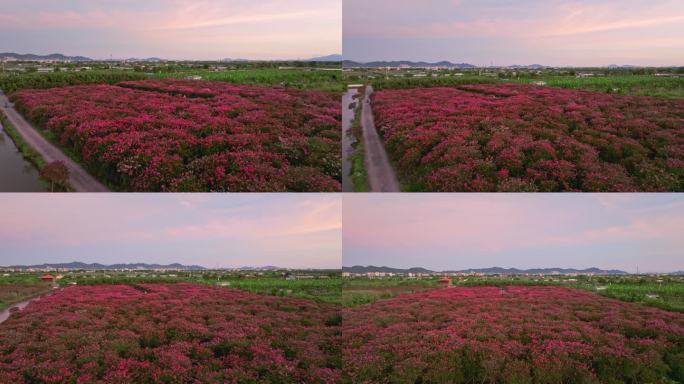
(174, 29)
(557, 32)
(226, 230)
(460, 231)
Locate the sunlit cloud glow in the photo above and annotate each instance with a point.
(177, 29)
(560, 32)
(460, 231)
(294, 230)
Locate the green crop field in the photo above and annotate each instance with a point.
(408, 82)
(318, 79)
(634, 83)
(326, 290)
(10, 82)
(666, 292)
(357, 291)
(320, 286)
(23, 278)
(17, 287)
(637, 85)
(301, 78)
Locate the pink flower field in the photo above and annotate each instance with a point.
(511, 335)
(178, 333)
(527, 138)
(183, 135)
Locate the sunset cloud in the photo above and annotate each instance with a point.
(458, 231)
(523, 32)
(224, 230)
(203, 29)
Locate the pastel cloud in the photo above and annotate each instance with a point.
(560, 32)
(464, 231)
(203, 29)
(311, 217)
(223, 230)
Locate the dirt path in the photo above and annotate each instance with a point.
(79, 179)
(381, 176)
(7, 312)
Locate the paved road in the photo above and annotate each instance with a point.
(381, 176)
(79, 179)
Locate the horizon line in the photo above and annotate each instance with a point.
(159, 264)
(96, 58)
(518, 268)
(510, 65)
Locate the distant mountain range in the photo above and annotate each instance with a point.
(336, 57)
(423, 64)
(543, 271)
(615, 66)
(264, 268)
(493, 270)
(328, 58)
(379, 64)
(530, 66)
(229, 60)
(372, 268)
(32, 57)
(98, 266)
(448, 64)
(61, 57)
(147, 60)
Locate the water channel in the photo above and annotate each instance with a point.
(16, 174)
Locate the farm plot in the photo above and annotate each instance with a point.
(180, 135)
(511, 335)
(14, 293)
(177, 333)
(525, 138)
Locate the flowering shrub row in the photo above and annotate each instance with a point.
(184, 333)
(526, 138)
(178, 333)
(511, 335)
(182, 135)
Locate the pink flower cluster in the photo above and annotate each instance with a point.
(511, 335)
(182, 135)
(178, 333)
(526, 138)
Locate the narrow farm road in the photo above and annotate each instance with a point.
(381, 176)
(79, 179)
(7, 312)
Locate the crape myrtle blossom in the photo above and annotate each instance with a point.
(507, 137)
(176, 333)
(511, 335)
(184, 135)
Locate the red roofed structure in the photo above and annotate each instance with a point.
(445, 281)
